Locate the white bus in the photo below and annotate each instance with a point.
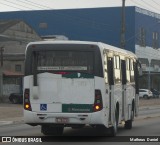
(78, 83)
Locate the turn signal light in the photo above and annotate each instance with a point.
(98, 103)
(97, 107)
(27, 105)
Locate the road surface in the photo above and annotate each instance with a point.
(146, 126)
(141, 127)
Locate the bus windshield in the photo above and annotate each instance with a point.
(67, 61)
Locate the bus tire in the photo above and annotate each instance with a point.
(50, 130)
(78, 126)
(103, 131)
(114, 128)
(128, 123)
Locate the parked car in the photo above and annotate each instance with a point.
(16, 98)
(145, 93)
(156, 94)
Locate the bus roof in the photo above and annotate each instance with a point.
(101, 45)
(116, 49)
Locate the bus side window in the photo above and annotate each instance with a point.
(117, 69)
(132, 70)
(105, 69)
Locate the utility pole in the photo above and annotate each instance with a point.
(149, 75)
(1, 73)
(124, 105)
(123, 26)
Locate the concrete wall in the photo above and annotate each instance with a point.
(12, 47)
(10, 88)
(10, 65)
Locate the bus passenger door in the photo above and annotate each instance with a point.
(124, 87)
(136, 88)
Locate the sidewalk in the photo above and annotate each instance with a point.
(13, 113)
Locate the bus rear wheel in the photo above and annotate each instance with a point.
(128, 123)
(52, 130)
(113, 130)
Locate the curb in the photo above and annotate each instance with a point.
(149, 107)
(147, 116)
(4, 123)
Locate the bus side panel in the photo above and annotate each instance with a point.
(27, 82)
(100, 85)
(118, 98)
(130, 95)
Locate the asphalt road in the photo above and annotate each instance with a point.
(148, 125)
(141, 127)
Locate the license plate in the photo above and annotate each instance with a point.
(62, 120)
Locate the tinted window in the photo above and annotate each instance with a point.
(75, 57)
(117, 71)
(65, 61)
(132, 70)
(128, 70)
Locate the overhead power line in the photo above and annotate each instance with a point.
(17, 4)
(28, 3)
(66, 15)
(148, 4)
(156, 2)
(89, 23)
(42, 6)
(139, 4)
(72, 19)
(145, 4)
(11, 6)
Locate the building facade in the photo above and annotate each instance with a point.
(14, 35)
(104, 24)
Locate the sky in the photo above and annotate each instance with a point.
(19, 5)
